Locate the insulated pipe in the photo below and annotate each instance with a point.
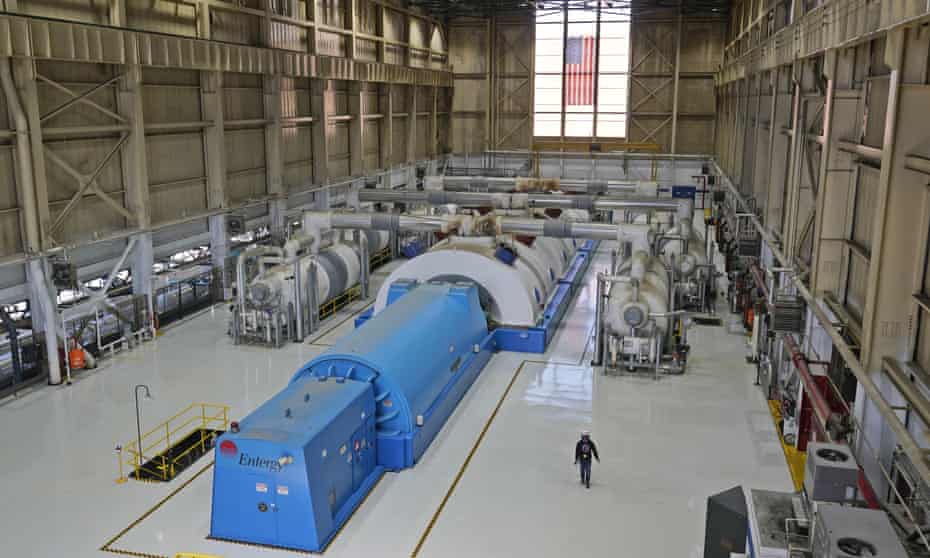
(914, 452)
(318, 222)
(621, 232)
(524, 184)
(638, 265)
(298, 242)
(683, 208)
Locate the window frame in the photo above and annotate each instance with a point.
(596, 113)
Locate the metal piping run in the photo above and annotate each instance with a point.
(496, 184)
(914, 452)
(822, 409)
(603, 155)
(317, 223)
(759, 278)
(682, 207)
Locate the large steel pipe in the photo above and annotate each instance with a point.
(568, 229)
(318, 222)
(822, 410)
(528, 184)
(684, 208)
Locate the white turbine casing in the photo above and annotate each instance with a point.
(652, 298)
(274, 285)
(349, 255)
(555, 254)
(514, 294)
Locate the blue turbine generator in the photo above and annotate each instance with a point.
(301, 463)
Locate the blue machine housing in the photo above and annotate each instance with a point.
(302, 462)
(535, 339)
(298, 466)
(421, 357)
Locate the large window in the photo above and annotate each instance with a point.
(582, 71)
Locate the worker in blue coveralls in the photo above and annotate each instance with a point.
(584, 449)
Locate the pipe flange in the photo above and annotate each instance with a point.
(635, 314)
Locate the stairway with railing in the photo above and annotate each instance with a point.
(174, 445)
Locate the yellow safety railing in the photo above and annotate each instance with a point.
(588, 146)
(380, 257)
(542, 147)
(339, 301)
(194, 555)
(153, 458)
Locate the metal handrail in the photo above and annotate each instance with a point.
(203, 416)
(380, 257)
(333, 305)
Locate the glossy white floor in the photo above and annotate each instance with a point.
(665, 446)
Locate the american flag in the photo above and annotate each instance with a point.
(579, 70)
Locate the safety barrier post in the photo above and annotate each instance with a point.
(119, 460)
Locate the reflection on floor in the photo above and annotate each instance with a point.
(665, 446)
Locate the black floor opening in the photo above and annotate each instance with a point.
(181, 455)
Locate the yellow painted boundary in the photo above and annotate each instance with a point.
(461, 472)
(108, 546)
(796, 459)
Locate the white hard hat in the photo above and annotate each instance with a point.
(585, 432)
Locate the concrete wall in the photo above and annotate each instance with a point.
(672, 95)
(821, 120)
(672, 98)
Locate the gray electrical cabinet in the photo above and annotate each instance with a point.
(831, 470)
(847, 532)
(726, 524)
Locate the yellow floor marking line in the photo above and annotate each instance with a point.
(461, 472)
(316, 343)
(796, 459)
(108, 546)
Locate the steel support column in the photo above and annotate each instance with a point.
(214, 138)
(356, 129)
(413, 104)
(45, 318)
(894, 59)
(133, 154)
(319, 112)
(386, 102)
(677, 87)
(274, 156)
